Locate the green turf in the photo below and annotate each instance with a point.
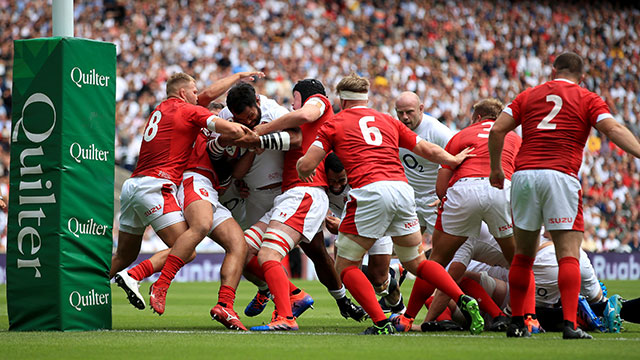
(186, 331)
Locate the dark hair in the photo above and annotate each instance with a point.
(214, 105)
(569, 63)
(241, 96)
(333, 163)
(308, 87)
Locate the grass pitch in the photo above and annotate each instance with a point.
(186, 331)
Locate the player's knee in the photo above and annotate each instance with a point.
(407, 253)
(349, 249)
(382, 288)
(253, 237)
(278, 241)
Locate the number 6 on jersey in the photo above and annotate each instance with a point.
(371, 135)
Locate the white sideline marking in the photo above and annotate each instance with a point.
(420, 334)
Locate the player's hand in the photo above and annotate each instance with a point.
(496, 178)
(464, 154)
(332, 223)
(249, 140)
(250, 75)
(435, 203)
(307, 177)
(261, 129)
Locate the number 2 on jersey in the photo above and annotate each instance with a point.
(152, 129)
(370, 134)
(546, 122)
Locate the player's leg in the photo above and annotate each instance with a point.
(351, 250)
(126, 252)
(385, 285)
(229, 235)
(325, 269)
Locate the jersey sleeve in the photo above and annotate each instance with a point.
(515, 107)
(325, 135)
(406, 138)
(201, 116)
(598, 109)
(464, 253)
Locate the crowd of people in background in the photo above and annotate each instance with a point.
(450, 53)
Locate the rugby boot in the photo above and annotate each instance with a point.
(471, 311)
(401, 322)
(281, 323)
(257, 304)
(350, 310)
(587, 319)
(568, 332)
(533, 325)
(227, 317)
(300, 302)
(383, 329)
(611, 318)
(131, 287)
(157, 298)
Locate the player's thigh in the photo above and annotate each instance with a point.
(562, 206)
(404, 219)
(367, 212)
(497, 214)
(228, 233)
(302, 209)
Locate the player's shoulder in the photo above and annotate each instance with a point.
(225, 113)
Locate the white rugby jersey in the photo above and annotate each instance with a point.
(336, 202)
(422, 173)
(267, 167)
(483, 248)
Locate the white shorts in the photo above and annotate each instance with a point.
(382, 246)
(196, 186)
(546, 197)
(380, 208)
(303, 208)
(147, 200)
(427, 215)
(469, 202)
(232, 200)
(259, 203)
(545, 270)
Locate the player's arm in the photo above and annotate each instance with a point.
(242, 166)
(220, 86)
(620, 135)
(231, 129)
(499, 131)
(332, 223)
(308, 113)
(436, 154)
(442, 181)
(279, 140)
(307, 164)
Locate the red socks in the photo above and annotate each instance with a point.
(226, 296)
(362, 290)
(435, 274)
(141, 271)
(254, 267)
(278, 286)
(520, 277)
(476, 291)
(569, 285)
(419, 294)
(169, 271)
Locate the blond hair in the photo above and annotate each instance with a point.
(178, 81)
(488, 108)
(353, 83)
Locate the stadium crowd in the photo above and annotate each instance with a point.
(450, 53)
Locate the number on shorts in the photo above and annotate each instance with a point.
(545, 123)
(371, 135)
(152, 129)
(486, 128)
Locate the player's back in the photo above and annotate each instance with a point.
(168, 140)
(556, 119)
(367, 142)
(476, 136)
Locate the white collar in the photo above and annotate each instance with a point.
(562, 79)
